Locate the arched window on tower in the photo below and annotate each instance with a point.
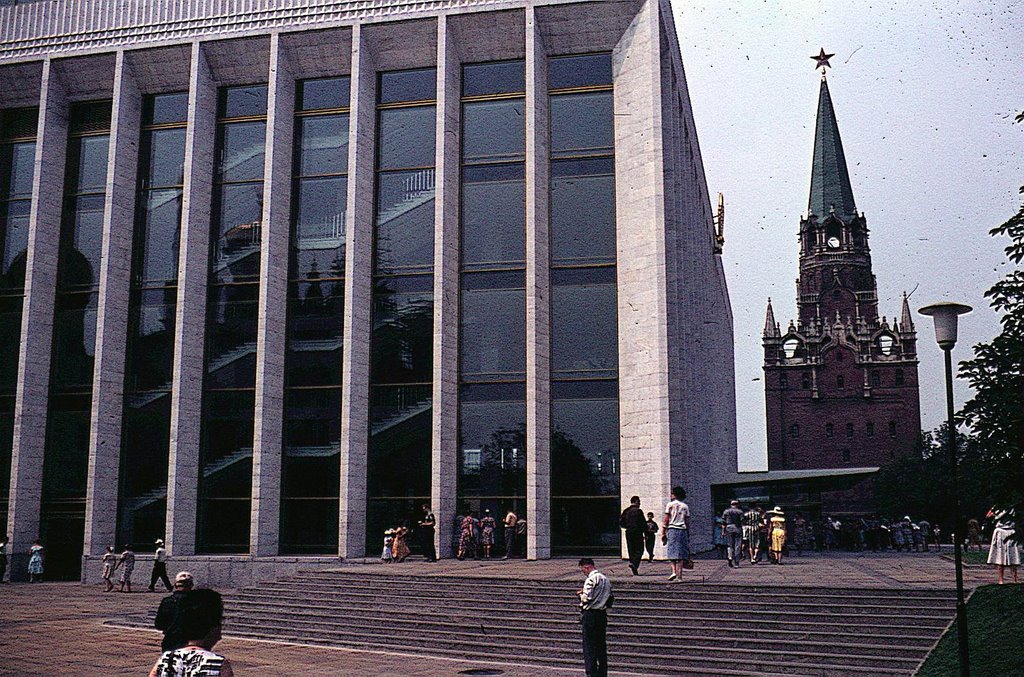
(876, 379)
(885, 344)
(805, 380)
(840, 382)
(789, 347)
(871, 429)
(794, 430)
(830, 430)
(783, 380)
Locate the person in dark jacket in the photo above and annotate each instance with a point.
(168, 617)
(635, 524)
(650, 535)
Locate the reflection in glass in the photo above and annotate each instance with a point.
(582, 125)
(146, 427)
(582, 212)
(584, 328)
(311, 462)
(495, 77)
(587, 70)
(410, 85)
(405, 222)
(406, 138)
(493, 217)
(402, 337)
(493, 334)
(493, 131)
(492, 441)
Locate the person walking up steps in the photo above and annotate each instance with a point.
(676, 534)
(595, 599)
(632, 520)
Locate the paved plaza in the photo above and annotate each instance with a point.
(65, 628)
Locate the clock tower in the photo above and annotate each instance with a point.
(840, 382)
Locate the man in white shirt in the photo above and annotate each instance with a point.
(160, 567)
(594, 600)
(676, 534)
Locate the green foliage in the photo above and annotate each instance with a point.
(920, 484)
(995, 622)
(996, 373)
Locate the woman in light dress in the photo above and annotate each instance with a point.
(109, 562)
(1004, 552)
(35, 562)
(467, 540)
(778, 535)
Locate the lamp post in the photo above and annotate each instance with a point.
(945, 317)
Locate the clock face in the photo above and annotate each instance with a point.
(833, 243)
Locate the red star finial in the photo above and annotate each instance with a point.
(821, 60)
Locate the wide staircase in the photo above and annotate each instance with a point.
(654, 628)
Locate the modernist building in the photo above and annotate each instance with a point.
(841, 382)
(275, 272)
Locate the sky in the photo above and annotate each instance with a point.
(925, 95)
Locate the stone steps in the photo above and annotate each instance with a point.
(654, 628)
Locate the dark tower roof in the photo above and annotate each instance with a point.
(830, 179)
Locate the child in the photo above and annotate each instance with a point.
(652, 531)
(389, 540)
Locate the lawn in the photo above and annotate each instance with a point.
(995, 618)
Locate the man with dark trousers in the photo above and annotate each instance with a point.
(160, 567)
(635, 524)
(427, 525)
(168, 617)
(595, 597)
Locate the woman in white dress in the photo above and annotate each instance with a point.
(1003, 552)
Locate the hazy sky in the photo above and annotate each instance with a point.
(925, 95)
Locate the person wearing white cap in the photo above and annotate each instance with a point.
(169, 613)
(160, 567)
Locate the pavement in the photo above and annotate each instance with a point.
(62, 628)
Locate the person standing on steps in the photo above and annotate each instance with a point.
(633, 522)
(676, 534)
(160, 567)
(650, 535)
(595, 599)
(510, 533)
(427, 525)
(732, 529)
(168, 615)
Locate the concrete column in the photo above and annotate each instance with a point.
(644, 384)
(538, 298)
(112, 315)
(355, 384)
(273, 300)
(190, 314)
(33, 387)
(445, 462)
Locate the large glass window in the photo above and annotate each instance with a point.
(225, 478)
(401, 341)
(492, 336)
(584, 317)
(66, 458)
(310, 469)
(17, 160)
(145, 438)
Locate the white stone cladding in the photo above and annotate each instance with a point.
(676, 393)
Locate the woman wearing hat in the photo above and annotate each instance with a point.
(778, 535)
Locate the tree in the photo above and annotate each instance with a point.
(996, 373)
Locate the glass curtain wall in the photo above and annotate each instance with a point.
(66, 458)
(492, 412)
(229, 383)
(316, 316)
(401, 341)
(584, 332)
(17, 160)
(146, 428)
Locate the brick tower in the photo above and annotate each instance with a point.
(841, 382)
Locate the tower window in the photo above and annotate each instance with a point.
(892, 428)
(805, 380)
(830, 430)
(783, 380)
(794, 430)
(846, 455)
(789, 347)
(840, 382)
(849, 430)
(876, 379)
(899, 377)
(871, 429)
(839, 354)
(885, 343)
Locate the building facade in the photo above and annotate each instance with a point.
(841, 383)
(277, 273)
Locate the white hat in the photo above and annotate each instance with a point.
(777, 510)
(158, 541)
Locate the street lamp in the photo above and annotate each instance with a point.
(945, 317)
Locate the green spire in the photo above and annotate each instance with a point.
(830, 180)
